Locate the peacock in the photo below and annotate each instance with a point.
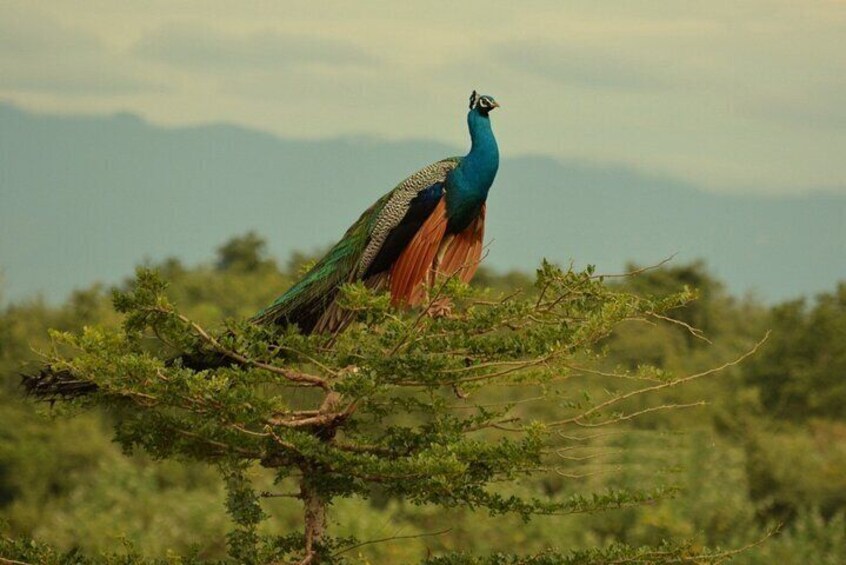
(430, 225)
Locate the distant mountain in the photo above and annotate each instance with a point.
(86, 198)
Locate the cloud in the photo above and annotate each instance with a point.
(77, 82)
(206, 49)
(815, 108)
(34, 36)
(728, 94)
(580, 65)
(41, 54)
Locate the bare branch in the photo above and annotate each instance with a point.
(4, 561)
(624, 417)
(392, 538)
(223, 446)
(695, 332)
(617, 399)
(268, 494)
(637, 271)
(496, 404)
(599, 373)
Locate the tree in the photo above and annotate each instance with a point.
(801, 374)
(247, 253)
(425, 408)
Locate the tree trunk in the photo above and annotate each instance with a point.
(315, 520)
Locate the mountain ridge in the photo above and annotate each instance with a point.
(91, 196)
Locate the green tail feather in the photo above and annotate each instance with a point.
(305, 302)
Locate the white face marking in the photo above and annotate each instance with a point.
(483, 102)
(474, 99)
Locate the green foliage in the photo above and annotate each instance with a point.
(810, 538)
(794, 471)
(666, 552)
(246, 253)
(242, 503)
(559, 404)
(802, 373)
(385, 386)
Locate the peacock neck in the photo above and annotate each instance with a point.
(472, 179)
(481, 163)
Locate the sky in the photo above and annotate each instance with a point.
(743, 96)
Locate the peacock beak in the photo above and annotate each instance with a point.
(495, 104)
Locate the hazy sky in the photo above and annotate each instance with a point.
(740, 95)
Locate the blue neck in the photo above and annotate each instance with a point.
(481, 163)
(471, 180)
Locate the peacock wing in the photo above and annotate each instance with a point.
(410, 271)
(409, 205)
(433, 254)
(365, 252)
(461, 254)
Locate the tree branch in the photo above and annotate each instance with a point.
(669, 384)
(293, 376)
(392, 538)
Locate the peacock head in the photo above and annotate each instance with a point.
(482, 102)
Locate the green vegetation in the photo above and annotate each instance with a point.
(558, 424)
